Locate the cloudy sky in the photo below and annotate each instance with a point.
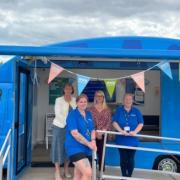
(41, 22)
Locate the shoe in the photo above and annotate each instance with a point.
(67, 175)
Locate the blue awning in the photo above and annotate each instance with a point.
(90, 52)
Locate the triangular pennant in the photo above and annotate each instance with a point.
(139, 79)
(82, 82)
(55, 70)
(165, 67)
(110, 85)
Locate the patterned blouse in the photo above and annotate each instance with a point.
(102, 120)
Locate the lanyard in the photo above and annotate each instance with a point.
(88, 132)
(126, 115)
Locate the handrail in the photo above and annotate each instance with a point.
(143, 149)
(3, 155)
(131, 147)
(140, 135)
(6, 139)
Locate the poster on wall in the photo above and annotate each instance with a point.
(132, 88)
(56, 89)
(138, 96)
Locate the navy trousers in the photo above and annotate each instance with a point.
(127, 161)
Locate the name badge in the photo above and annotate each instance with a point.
(127, 128)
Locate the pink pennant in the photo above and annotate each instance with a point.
(55, 70)
(139, 79)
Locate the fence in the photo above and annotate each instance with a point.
(129, 147)
(4, 153)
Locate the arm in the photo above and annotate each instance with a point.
(93, 135)
(108, 119)
(137, 130)
(140, 124)
(59, 107)
(81, 139)
(119, 129)
(93, 140)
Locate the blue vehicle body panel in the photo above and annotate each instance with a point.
(7, 97)
(9, 107)
(109, 47)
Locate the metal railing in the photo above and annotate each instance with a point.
(129, 147)
(4, 153)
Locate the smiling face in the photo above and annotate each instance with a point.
(128, 101)
(82, 104)
(68, 90)
(99, 98)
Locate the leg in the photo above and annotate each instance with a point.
(77, 174)
(83, 169)
(131, 154)
(123, 161)
(57, 172)
(100, 143)
(66, 169)
(55, 155)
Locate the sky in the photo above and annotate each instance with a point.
(41, 22)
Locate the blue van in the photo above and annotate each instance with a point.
(20, 94)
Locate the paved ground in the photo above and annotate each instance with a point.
(48, 174)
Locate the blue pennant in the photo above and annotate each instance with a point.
(165, 67)
(82, 82)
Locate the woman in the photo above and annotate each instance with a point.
(63, 105)
(127, 120)
(102, 121)
(80, 139)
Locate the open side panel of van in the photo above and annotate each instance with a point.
(15, 111)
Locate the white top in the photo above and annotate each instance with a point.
(61, 111)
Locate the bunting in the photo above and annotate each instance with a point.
(110, 85)
(82, 82)
(55, 70)
(139, 79)
(165, 67)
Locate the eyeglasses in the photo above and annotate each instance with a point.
(99, 96)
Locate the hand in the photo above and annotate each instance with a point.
(125, 133)
(110, 137)
(99, 135)
(92, 145)
(132, 133)
(93, 142)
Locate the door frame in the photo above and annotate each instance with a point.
(20, 70)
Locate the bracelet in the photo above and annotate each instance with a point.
(93, 139)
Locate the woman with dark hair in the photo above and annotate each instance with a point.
(80, 139)
(63, 105)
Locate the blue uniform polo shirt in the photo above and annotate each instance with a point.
(75, 121)
(132, 119)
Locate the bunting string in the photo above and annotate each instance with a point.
(110, 83)
(103, 79)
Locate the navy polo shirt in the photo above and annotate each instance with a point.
(75, 121)
(132, 119)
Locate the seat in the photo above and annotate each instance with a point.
(48, 129)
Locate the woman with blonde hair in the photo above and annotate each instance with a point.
(102, 120)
